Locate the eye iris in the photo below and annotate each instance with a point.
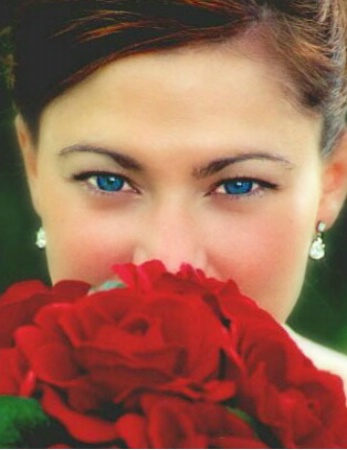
(109, 183)
(238, 187)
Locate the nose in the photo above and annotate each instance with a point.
(172, 236)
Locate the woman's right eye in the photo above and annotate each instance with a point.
(105, 182)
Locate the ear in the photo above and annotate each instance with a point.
(29, 154)
(334, 186)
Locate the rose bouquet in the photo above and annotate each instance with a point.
(157, 360)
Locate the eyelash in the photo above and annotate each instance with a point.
(85, 177)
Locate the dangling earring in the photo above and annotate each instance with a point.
(317, 250)
(41, 240)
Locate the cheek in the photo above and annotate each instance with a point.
(83, 241)
(267, 257)
(86, 247)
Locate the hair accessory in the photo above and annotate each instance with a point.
(41, 240)
(317, 250)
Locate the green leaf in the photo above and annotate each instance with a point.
(23, 424)
(107, 286)
(244, 416)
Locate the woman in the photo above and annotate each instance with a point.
(206, 132)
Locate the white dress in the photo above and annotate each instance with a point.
(323, 357)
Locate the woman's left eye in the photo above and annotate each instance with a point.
(104, 182)
(242, 187)
(107, 182)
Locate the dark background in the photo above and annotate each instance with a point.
(321, 312)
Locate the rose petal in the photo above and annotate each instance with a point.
(132, 429)
(85, 428)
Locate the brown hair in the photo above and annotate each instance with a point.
(57, 43)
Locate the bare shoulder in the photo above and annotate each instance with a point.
(323, 357)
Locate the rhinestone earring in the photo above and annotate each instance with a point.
(41, 240)
(317, 250)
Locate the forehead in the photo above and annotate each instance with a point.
(253, 47)
(203, 93)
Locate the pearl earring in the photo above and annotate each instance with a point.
(317, 250)
(41, 240)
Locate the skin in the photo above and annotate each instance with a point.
(174, 113)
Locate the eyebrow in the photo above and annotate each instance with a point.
(129, 163)
(125, 161)
(220, 164)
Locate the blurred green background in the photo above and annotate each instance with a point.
(321, 313)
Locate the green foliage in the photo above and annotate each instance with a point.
(23, 424)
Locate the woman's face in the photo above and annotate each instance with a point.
(193, 155)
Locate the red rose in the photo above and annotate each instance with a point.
(172, 422)
(159, 361)
(20, 303)
(162, 335)
(305, 407)
(15, 377)
(224, 297)
(18, 306)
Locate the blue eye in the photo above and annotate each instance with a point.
(243, 187)
(238, 187)
(108, 182)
